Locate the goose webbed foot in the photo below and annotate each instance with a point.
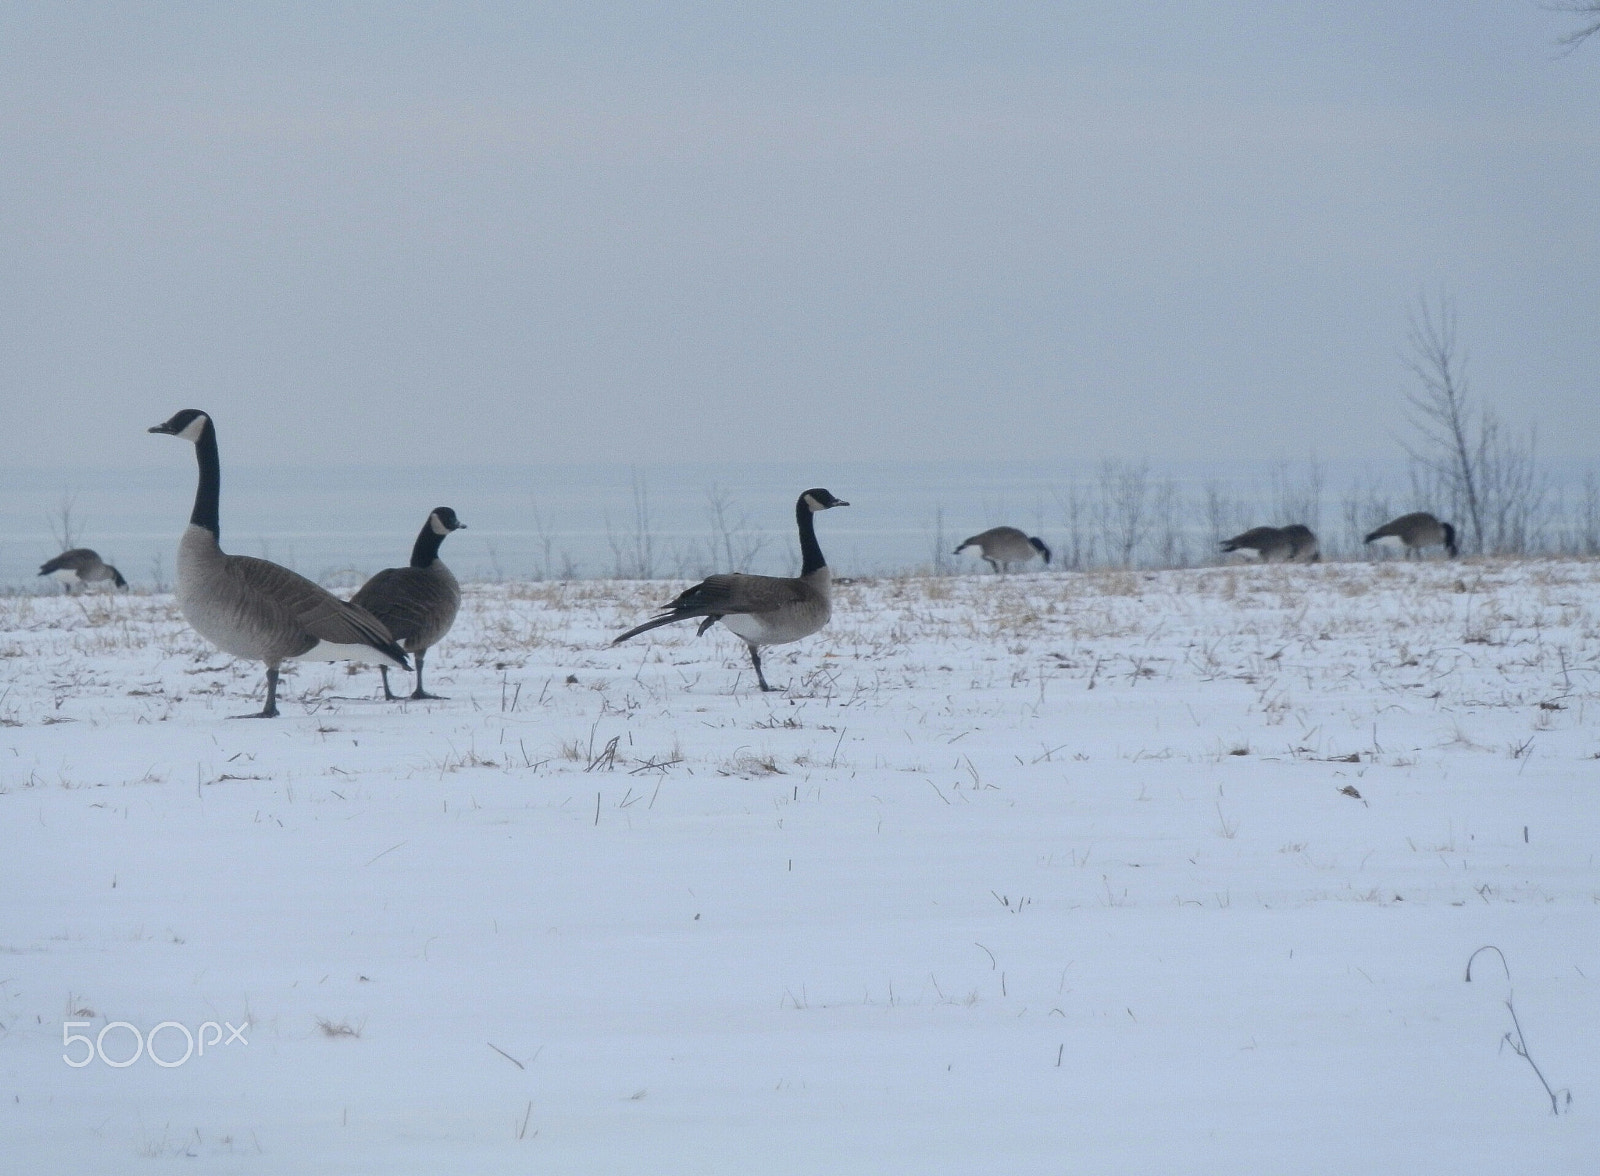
(419, 693)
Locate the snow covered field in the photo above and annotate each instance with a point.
(1119, 873)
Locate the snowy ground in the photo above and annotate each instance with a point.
(1119, 873)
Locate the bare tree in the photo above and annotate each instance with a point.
(1222, 514)
(63, 526)
(1514, 490)
(633, 557)
(735, 543)
(1172, 548)
(1362, 508)
(1584, 535)
(941, 555)
(1298, 500)
(544, 565)
(1078, 551)
(1588, 11)
(1440, 411)
(1124, 508)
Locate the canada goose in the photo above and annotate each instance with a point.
(255, 609)
(419, 602)
(1003, 546)
(1303, 547)
(763, 610)
(1416, 531)
(1294, 543)
(81, 567)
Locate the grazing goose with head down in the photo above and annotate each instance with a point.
(255, 609)
(418, 603)
(763, 610)
(1416, 531)
(79, 568)
(1295, 543)
(1001, 547)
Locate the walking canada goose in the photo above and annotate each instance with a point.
(763, 610)
(1003, 546)
(1294, 543)
(79, 568)
(418, 603)
(1416, 531)
(255, 609)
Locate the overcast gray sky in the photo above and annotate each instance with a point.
(570, 231)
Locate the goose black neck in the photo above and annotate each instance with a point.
(209, 491)
(810, 553)
(427, 546)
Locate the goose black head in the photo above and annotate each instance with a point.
(819, 499)
(188, 424)
(1038, 545)
(443, 520)
(1450, 539)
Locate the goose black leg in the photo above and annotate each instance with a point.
(419, 692)
(388, 695)
(755, 660)
(270, 711)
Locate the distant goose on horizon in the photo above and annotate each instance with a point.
(80, 567)
(1001, 547)
(253, 608)
(763, 610)
(418, 602)
(1417, 530)
(1295, 543)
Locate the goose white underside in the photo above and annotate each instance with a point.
(1393, 542)
(749, 627)
(333, 651)
(66, 576)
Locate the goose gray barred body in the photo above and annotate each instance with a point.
(253, 608)
(1417, 530)
(80, 567)
(762, 610)
(1294, 543)
(1303, 546)
(418, 602)
(1003, 546)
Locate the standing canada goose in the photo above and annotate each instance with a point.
(255, 609)
(763, 610)
(1416, 531)
(1003, 546)
(419, 602)
(79, 568)
(1294, 543)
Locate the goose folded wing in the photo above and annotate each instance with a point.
(407, 600)
(739, 593)
(318, 612)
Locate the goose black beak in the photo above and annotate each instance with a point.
(160, 429)
(840, 502)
